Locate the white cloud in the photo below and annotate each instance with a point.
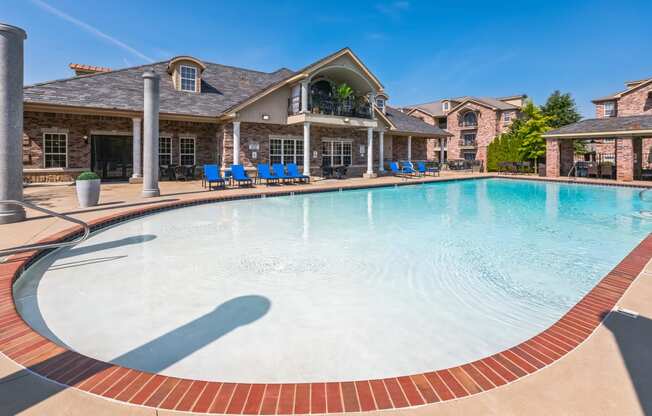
(393, 9)
(92, 30)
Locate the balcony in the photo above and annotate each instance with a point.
(357, 107)
(467, 143)
(468, 124)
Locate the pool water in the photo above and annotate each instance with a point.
(334, 286)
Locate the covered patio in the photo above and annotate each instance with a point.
(627, 135)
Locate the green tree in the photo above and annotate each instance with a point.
(530, 132)
(561, 109)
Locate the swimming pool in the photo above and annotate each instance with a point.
(333, 286)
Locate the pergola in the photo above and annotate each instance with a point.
(628, 134)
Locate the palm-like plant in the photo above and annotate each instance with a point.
(343, 92)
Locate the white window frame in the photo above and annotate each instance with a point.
(507, 117)
(181, 78)
(286, 158)
(612, 112)
(445, 106)
(45, 153)
(194, 150)
(161, 153)
(380, 104)
(342, 154)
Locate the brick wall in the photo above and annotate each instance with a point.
(624, 159)
(552, 158)
(488, 128)
(79, 149)
(636, 103)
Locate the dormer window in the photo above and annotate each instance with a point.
(609, 109)
(380, 103)
(445, 106)
(188, 78)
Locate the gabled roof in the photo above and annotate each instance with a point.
(304, 73)
(222, 87)
(434, 108)
(631, 87)
(605, 127)
(403, 123)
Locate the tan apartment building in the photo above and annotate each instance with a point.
(474, 122)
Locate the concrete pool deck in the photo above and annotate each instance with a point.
(607, 374)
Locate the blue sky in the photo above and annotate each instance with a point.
(420, 50)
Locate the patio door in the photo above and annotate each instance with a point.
(111, 157)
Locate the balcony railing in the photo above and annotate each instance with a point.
(468, 124)
(351, 107)
(467, 143)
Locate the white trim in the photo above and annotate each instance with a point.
(181, 78)
(332, 141)
(336, 139)
(54, 130)
(159, 149)
(612, 113)
(194, 149)
(45, 153)
(110, 133)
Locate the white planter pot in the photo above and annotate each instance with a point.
(88, 192)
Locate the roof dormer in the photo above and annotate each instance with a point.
(381, 101)
(186, 73)
(445, 106)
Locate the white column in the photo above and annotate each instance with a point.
(11, 121)
(306, 149)
(236, 142)
(137, 162)
(370, 155)
(442, 143)
(150, 133)
(409, 149)
(304, 96)
(381, 151)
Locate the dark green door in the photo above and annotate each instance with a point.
(111, 157)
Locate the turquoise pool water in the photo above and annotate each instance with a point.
(334, 286)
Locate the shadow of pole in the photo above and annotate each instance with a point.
(21, 390)
(634, 338)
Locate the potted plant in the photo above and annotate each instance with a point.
(343, 94)
(88, 189)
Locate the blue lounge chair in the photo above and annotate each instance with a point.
(397, 171)
(239, 175)
(424, 170)
(293, 171)
(266, 174)
(408, 167)
(279, 170)
(212, 175)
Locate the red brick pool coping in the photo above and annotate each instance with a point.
(28, 348)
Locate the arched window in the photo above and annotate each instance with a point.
(470, 119)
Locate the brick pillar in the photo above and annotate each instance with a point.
(624, 159)
(566, 156)
(552, 158)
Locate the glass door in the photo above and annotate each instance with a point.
(111, 157)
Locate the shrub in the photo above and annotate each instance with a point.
(87, 176)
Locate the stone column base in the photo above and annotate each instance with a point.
(151, 193)
(12, 215)
(136, 179)
(368, 175)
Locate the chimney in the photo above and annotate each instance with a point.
(81, 69)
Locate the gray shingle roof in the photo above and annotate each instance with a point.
(409, 124)
(627, 124)
(222, 87)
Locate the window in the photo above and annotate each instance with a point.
(187, 151)
(336, 152)
(188, 78)
(445, 106)
(468, 155)
(442, 123)
(468, 139)
(380, 103)
(609, 109)
(469, 119)
(286, 150)
(164, 151)
(55, 150)
(507, 117)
